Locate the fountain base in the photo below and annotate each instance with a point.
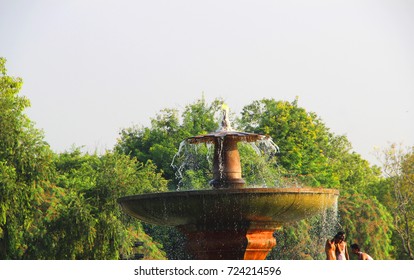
(246, 243)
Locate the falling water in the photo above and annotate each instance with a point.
(220, 143)
(262, 171)
(265, 146)
(320, 228)
(329, 222)
(192, 159)
(324, 227)
(179, 167)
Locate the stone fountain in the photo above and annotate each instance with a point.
(229, 221)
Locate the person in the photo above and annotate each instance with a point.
(330, 249)
(341, 250)
(361, 255)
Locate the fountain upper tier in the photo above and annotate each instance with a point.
(226, 163)
(237, 136)
(226, 131)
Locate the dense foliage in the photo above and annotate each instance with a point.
(25, 169)
(64, 206)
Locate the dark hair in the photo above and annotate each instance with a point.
(355, 246)
(340, 234)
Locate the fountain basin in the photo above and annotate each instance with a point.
(277, 205)
(230, 223)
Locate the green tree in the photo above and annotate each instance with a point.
(367, 223)
(297, 241)
(25, 161)
(83, 219)
(397, 193)
(161, 141)
(303, 139)
(309, 153)
(259, 167)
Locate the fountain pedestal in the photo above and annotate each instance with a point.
(248, 242)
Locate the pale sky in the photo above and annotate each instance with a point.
(91, 68)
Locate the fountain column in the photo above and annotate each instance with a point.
(226, 164)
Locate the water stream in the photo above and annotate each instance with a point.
(194, 160)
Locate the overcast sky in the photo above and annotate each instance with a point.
(91, 68)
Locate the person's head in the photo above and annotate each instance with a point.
(355, 248)
(339, 237)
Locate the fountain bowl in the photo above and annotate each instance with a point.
(277, 205)
(230, 223)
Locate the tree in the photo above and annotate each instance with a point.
(363, 218)
(161, 141)
(82, 217)
(25, 161)
(64, 206)
(398, 167)
(303, 139)
(368, 223)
